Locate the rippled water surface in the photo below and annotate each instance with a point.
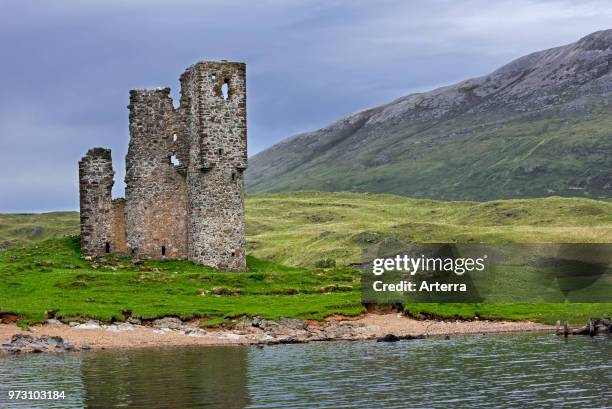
(480, 371)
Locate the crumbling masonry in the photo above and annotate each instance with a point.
(184, 195)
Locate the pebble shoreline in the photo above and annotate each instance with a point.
(170, 331)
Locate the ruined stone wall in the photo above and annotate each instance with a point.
(184, 175)
(216, 125)
(156, 192)
(95, 186)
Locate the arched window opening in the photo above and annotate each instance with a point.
(233, 176)
(163, 250)
(107, 247)
(174, 137)
(220, 151)
(174, 160)
(225, 90)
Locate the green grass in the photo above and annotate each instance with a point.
(545, 313)
(302, 228)
(288, 234)
(51, 276)
(25, 229)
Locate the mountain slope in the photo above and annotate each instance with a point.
(538, 126)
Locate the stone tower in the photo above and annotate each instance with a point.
(214, 119)
(102, 218)
(95, 185)
(184, 174)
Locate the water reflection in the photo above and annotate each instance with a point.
(478, 371)
(166, 378)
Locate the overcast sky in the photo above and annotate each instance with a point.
(66, 67)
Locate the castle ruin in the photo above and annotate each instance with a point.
(184, 196)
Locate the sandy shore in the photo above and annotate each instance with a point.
(173, 332)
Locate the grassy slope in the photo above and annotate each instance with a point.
(468, 158)
(303, 227)
(298, 229)
(25, 229)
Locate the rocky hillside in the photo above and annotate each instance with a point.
(538, 126)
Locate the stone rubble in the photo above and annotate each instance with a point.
(28, 343)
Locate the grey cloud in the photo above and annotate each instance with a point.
(66, 67)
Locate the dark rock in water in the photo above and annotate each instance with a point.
(412, 337)
(68, 346)
(85, 347)
(581, 331)
(395, 338)
(595, 326)
(604, 325)
(388, 338)
(291, 340)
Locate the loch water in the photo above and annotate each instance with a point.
(511, 370)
